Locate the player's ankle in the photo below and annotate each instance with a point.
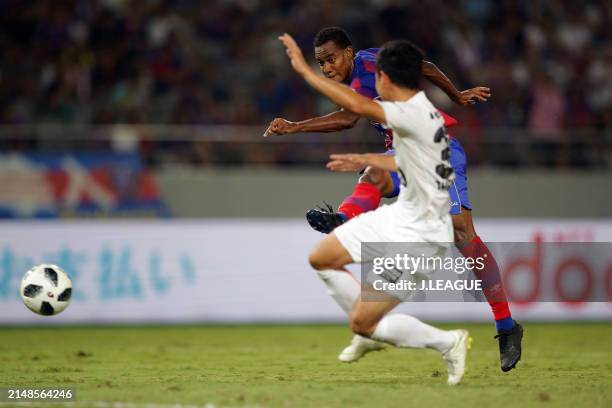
(505, 323)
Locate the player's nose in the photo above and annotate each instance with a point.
(327, 70)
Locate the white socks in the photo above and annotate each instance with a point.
(403, 330)
(342, 287)
(400, 330)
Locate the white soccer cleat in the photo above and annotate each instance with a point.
(358, 348)
(455, 357)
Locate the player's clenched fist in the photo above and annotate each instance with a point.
(280, 126)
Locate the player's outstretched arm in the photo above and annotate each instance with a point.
(340, 94)
(332, 122)
(464, 98)
(356, 162)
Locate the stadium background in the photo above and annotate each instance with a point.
(132, 152)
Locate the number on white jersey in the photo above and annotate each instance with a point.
(443, 170)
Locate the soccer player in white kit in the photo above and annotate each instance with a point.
(421, 213)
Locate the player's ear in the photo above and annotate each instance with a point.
(350, 52)
(383, 78)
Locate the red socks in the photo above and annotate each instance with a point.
(491, 280)
(365, 197)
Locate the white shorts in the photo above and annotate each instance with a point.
(387, 224)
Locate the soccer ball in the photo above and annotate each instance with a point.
(46, 289)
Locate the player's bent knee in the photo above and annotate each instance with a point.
(320, 260)
(317, 261)
(379, 178)
(329, 254)
(367, 179)
(373, 176)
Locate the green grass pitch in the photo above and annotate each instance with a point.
(295, 366)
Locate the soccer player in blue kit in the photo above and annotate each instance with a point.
(338, 61)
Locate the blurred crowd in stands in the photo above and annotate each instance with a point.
(548, 62)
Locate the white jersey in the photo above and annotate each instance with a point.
(422, 156)
(421, 212)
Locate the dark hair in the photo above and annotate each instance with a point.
(334, 34)
(401, 60)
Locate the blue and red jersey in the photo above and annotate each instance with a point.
(363, 81)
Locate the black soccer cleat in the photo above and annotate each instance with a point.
(324, 219)
(510, 346)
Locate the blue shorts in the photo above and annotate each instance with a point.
(458, 191)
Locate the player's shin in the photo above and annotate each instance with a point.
(491, 279)
(341, 286)
(403, 330)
